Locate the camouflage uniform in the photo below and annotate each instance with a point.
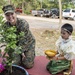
(27, 43)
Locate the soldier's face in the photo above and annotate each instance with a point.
(11, 17)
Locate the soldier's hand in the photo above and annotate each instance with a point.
(23, 56)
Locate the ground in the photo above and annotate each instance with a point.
(45, 40)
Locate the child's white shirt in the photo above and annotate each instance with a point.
(66, 47)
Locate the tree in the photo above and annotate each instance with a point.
(28, 5)
(8, 38)
(67, 4)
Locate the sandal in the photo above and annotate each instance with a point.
(68, 72)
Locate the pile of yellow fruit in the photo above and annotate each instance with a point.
(50, 53)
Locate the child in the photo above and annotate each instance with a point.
(66, 51)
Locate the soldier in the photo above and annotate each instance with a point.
(27, 42)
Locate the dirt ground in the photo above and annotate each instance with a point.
(45, 40)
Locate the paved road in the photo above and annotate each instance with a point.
(40, 22)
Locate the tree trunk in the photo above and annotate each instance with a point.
(23, 7)
(60, 13)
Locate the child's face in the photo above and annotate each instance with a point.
(64, 34)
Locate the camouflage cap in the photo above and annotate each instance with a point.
(8, 8)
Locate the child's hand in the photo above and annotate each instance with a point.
(55, 58)
(50, 58)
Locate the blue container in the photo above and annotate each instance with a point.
(21, 68)
(15, 69)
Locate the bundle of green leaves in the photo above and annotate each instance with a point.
(9, 39)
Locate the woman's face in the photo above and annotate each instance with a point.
(64, 34)
(11, 17)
